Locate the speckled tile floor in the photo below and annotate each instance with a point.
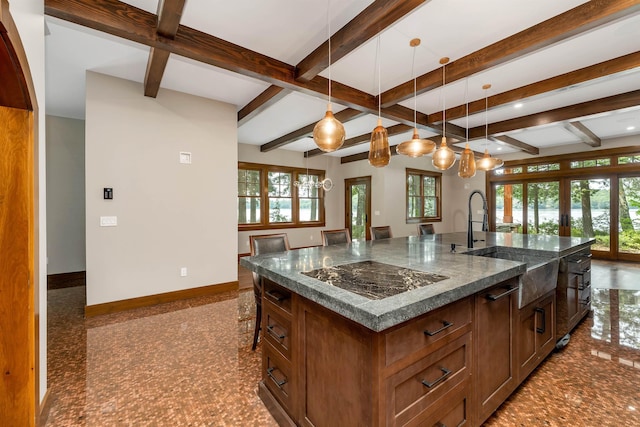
(190, 363)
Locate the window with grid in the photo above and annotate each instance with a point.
(309, 198)
(423, 196)
(272, 196)
(249, 196)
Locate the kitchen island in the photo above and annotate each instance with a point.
(398, 331)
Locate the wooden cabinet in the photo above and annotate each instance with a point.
(427, 365)
(279, 380)
(451, 366)
(573, 293)
(495, 370)
(536, 333)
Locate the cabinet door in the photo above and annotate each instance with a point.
(535, 334)
(496, 311)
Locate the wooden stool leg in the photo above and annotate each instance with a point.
(256, 334)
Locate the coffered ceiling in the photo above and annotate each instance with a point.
(561, 72)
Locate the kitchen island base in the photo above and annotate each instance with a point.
(454, 365)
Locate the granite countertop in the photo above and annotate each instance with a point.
(432, 276)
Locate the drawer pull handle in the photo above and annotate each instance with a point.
(274, 334)
(543, 329)
(586, 301)
(278, 383)
(276, 296)
(445, 325)
(583, 272)
(445, 373)
(584, 286)
(492, 297)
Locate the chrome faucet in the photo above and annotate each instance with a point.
(485, 217)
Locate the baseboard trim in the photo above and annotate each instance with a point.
(66, 280)
(44, 408)
(149, 300)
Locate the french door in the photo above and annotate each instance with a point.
(605, 207)
(358, 207)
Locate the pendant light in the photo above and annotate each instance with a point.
(415, 147)
(487, 163)
(329, 133)
(467, 165)
(443, 157)
(379, 151)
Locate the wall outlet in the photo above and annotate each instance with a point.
(183, 272)
(311, 237)
(108, 221)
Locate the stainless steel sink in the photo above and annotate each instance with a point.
(542, 271)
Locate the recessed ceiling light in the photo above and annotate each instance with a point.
(518, 105)
(499, 148)
(631, 127)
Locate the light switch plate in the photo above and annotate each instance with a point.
(185, 157)
(108, 221)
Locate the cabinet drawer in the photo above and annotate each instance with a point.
(277, 330)
(426, 330)
(276, 375)
(416, 388)
(451, 410)
(277, 295)
(579, 264)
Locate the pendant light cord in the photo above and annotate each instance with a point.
(329, 38)
(444, 110)
(379, 78)
(466, 100)
(486, 122)
(415, 91)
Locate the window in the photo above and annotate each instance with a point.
(624, 160)
(591, 163)
(249, 196)
(543, 168)
(508, 171)
(423, 196)
(269, 198)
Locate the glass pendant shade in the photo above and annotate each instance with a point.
(443, 157)
(487, 163)
(379, 151)
(416, 146)
(329, 133)
(467, 166)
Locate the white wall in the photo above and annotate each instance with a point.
(29, 18)
(65, 195)
(170, 215)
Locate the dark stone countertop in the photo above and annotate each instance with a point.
(464, 274)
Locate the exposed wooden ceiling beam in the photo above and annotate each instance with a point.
(361, 139)
(584, 133)
(269, 97)
(547, 86)
(516, 143)
(378, 16)
(561, 27)
(342, 116)
(169, 14)
(123, 20)
(583, 109)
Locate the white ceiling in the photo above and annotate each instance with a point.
(288, 30)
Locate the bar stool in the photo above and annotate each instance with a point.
(383, 232)
(335, 237)
(264, 244)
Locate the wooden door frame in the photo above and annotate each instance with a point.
(20, 346)
(348, 182)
